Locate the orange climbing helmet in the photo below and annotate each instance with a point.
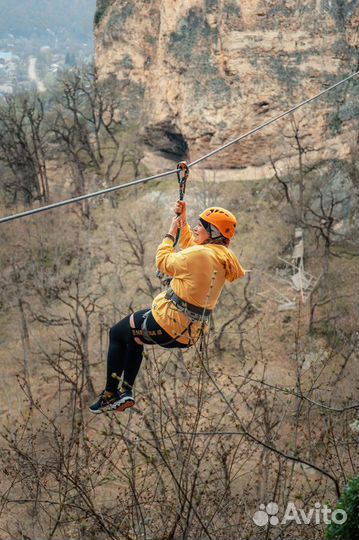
(223, 220)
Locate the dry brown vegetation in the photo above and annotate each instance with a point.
(264, 411)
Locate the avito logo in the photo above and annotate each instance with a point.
(319, 514)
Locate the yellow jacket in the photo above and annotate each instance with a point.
(199, 272)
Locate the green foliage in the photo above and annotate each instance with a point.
(330, 332)
(232, 8)
(335, 123)
(218, 86)
(286, 73)
(192, 30)
(211, 4)
(341, 11)
(126, 62)
(101, 11)
(349, 502)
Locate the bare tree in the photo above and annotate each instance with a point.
(293, 182)
(323, 221)
(201, 450)
(23, 148)
(87, 128)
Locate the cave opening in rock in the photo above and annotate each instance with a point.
(167, 141)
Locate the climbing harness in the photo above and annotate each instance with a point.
(143, 331)
(192, 312)
(149, 334)
(165, 280)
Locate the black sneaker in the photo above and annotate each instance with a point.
(124, 402)
(105, 402)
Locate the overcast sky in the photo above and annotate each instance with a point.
(24, 17)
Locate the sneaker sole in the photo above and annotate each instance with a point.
(108, 408)
(123, 406)
(95, 412)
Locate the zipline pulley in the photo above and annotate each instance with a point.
(182, 177)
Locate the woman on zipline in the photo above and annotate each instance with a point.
(180, 315)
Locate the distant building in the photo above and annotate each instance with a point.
(7, 56)
(6, 89)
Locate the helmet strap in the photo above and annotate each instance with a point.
(213, 232)
(206, 225)
(210, 228)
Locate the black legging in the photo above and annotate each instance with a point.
(125, 355)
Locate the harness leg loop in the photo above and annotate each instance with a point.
(133, 327)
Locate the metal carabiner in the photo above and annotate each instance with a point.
(182, 176)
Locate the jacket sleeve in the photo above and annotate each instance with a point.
(187, 238)
(168, 261)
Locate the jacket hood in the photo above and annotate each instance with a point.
(233, 267)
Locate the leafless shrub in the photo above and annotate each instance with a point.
(23, 149)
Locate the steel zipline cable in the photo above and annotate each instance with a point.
(86, 196)
(272, 120)
(173, 171)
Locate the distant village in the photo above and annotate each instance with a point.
(25, 66)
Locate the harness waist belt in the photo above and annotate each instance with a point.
(186, 306)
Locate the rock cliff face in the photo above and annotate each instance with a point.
(198, 73)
